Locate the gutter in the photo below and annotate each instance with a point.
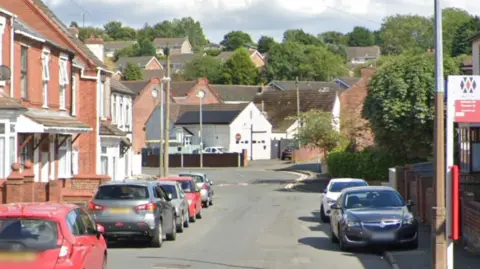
(105, 70)
(12, 55)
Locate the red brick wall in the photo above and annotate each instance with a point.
(211, 97)
(87, 143)
(6, 44)
(306, 154)
(152, 65)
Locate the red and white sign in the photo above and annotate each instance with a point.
(464, 95)
(467, 111)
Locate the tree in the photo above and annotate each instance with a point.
(361, 37)
(145, 47)
(265, 43)
(85, 32)
(203, 66)
(236, 39)
(299, 36)
(334, 38)
(402, 32)
(117, 31)
(317, 130)
(461, 43)
(132, 72)
(453, 20)
(400, 104)
(130, 51)
(239, 69)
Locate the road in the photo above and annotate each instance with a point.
(254, 224)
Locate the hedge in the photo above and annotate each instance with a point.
(366, 165)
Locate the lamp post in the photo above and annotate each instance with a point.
(200, 95)
(167, 79)
(160, 159)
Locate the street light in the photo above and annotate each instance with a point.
(201, 94)
(167, 79)
(160, 155)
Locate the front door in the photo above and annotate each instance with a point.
(45, 166)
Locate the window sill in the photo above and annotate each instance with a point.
(3, 83)
(65, 176)
(63, 109)
(45, 107)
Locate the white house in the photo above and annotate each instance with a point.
(232, 126)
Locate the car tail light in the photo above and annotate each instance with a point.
(146, 207)
(94, 207)
(65, 251)
(205, 186)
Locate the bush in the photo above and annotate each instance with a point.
(366, 165)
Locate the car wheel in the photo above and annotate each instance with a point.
(181, 223)
(199, 214)
(205, 204)
(193, 218)
(325, 218)
(211, 201)
(104, 265)
(333, 237)
(186, 221)
(341, 242)
(157, 238)
(173, 234)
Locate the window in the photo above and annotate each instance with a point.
(65, 159)
(101, 106)
(63, 80)
(104, 161)
(74, 95)
(114, 109)
(120, 115)
(122, 192)
(31, 233)
(45, 75)
(24, 72)
(88, 223)
(128, 114)
(7, 148)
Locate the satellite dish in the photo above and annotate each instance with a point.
(5, 73)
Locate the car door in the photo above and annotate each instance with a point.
(181, 196)
(84, 247)
(92, 234)
(159, 200)
(336, 214)
(169, 208)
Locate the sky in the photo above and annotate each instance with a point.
(257, 17)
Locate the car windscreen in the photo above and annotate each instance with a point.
(187, 186)
(171, 189)
(28, 233)
(122, 192)
(197, 178)
(339, 186)
(373, 199)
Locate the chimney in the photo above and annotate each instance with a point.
(263, 110)
(96, 45)
(74, 30)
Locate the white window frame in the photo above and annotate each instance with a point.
(8, 152)
(101, 100)
(128, 116)
(120, 118)
(24, 77)
(74, 95)
(45, 75)
(114, 109)
(63, 79)
(104, 156)
(65, 162)
(3, 23)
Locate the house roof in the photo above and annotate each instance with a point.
(117, 45)
(177, 110)
(286, 85)
(141, 61)
(281, 105)
(109, 129)
(20, 25)
(181, 88)
(117, 86)
(7, 103)
(49, 13)
(176, 41)
(208, 117)
(55, 119)
(239, 93)
(180, 58)
(136, 85)
(347, 82)
(360, 52)
(153, 73)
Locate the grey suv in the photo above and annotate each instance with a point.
(133, 209)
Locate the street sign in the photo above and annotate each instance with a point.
(467, 111)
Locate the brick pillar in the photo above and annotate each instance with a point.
(245, 157)
(28, 182)
(55, 191)
(14, 185)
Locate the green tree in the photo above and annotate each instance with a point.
(145, 47)
(299, 36)
(132, 72)
(213, 52)
(236, 39)
(265, 43)
(130, 51)
(453, 20)
(360, 37)
(400, 104)
(239, 69)
(317, 130)
(85, 32)
(461, 43)
(203, 66)
(403, 32)
(334, 38)
(117, 31)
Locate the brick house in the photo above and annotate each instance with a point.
(185, 92)
(176, 45)
(362, 55)
(89, 81)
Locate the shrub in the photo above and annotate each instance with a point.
(366, 165)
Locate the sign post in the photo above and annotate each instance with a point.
(463, 106)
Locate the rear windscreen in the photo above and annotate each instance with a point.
(187, 186)
(22, 233)
(122, 192)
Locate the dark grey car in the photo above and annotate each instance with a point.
(372, 215)
(134, 209)
(179, 201)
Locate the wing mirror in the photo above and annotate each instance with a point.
(169, 197)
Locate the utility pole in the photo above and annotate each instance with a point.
(439, 239)
(83, 20)
(160, 153)
(167, 115)
(200, 95)
(299, 123)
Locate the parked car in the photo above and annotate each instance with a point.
(373, 215)
(134, 209)
(41, 236)
(332, 192)
(179, 201)
(287, 152)
(205, 185)
(215, 150)
(193, 194)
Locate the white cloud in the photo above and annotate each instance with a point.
(257, 17)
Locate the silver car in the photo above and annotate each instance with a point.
(179, 201)
(134, 209)
(205, 185)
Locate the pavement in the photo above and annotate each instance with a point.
(255, 223)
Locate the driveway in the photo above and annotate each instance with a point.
(257, 225)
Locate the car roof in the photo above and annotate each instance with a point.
(370, 188)
(171, 183)
(191, 173)
(129, 182)
(175, 178)
(345, 179)
(139, 177)
(52, 211)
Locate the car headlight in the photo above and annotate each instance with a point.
(352, 222)
(408, 219)
(331, 201)
(189, 202)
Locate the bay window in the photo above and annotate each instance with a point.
(45, 75)
(104, 161)
(114, 109)
(63, 80)
(120, 113)
(7, 148)
(127, 116)
(65, 159)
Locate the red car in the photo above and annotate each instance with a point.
(192, 193)
(50, 236)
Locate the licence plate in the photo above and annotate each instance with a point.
(383, 236)
(17, 256)
(119, 210)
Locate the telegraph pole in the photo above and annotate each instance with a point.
(200, 95)
(167, 116)
(160, 153)
(439, 239)
(299, 124)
